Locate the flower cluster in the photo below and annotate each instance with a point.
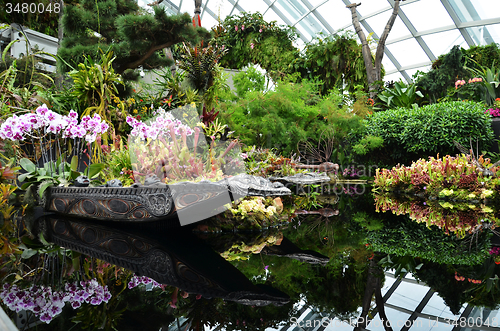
(163, 125)
(495, 250)
(44, 121)
(475, 80)
(138, 280)
(495, 112)
(461, 82)
(352, 190)
(352, 172)
(470, 280)
(47, 304)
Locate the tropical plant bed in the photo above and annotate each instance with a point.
(451, 178)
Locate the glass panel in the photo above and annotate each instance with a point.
(388, 65)
(369, 7)
(387, 284)
(437, 307)
(489, 318)
(475, 10)
(394, 77)
(408, 52)
(379, 21)
(342, 16)
(429, 324)
(290, 12)
(396, 318)
(223, 8)
(316, 3)
(208, 21)
(271, 15)
(254, 6)
(424, 19)
(412, 72)
(187, 7)
(303, 33)
(408, 295)
(485, 35)
(337, 324)
(311, 25)
(441, 43)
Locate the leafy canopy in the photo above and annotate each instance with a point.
(134, 36)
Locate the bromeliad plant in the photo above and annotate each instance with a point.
(448, 177)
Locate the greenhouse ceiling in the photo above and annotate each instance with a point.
(423, 30)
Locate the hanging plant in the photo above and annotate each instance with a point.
(251, 40)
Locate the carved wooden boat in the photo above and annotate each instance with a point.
(190, 202)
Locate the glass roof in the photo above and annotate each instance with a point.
(424, 29)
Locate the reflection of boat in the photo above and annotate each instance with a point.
(188, 200)
(177, 258)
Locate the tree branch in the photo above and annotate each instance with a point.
(381, 43)
(147, 55)
(367, 55)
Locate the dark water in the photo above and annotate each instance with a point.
(352, 270)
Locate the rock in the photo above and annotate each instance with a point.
(308, 178)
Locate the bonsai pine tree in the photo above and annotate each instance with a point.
(134, 36)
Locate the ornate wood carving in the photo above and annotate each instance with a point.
(156, 202)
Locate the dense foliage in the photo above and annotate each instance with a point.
(251, 40)
(291, 113)
(404, 237)
(336, 60)
(118, 25)
(458, 63)
(409, 134)
(44, 19)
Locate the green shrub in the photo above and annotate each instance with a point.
(293, 112)
(248, 81)
(420, 132)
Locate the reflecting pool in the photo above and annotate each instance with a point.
(347, 260)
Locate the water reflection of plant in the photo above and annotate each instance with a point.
(402, 236)
(333, 288)
(47, 303)
(458, 218)
(458, 284)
